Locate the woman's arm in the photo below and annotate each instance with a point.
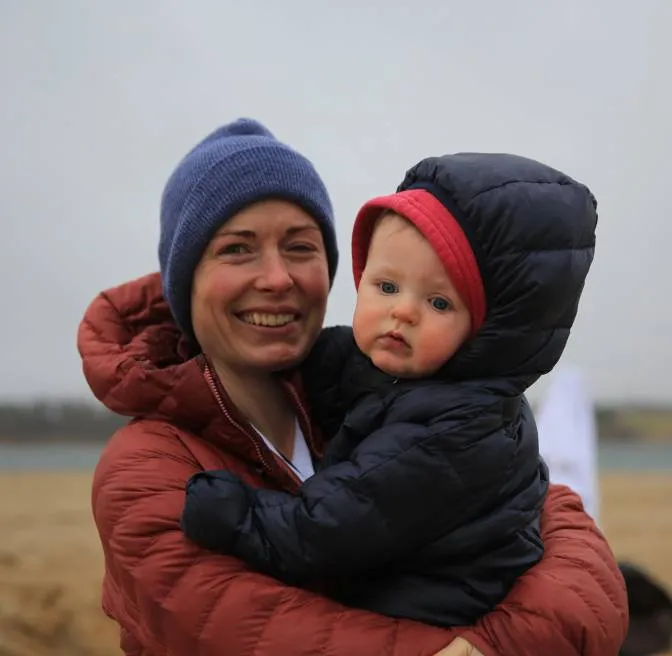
(573, 603)
(177, 599)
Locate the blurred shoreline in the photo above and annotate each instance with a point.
(52, 421)
(612, 455)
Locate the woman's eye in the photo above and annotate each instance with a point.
(387, 287)
(440, 304)
(233, 249)
(302, 248)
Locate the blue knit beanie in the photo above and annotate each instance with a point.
(235, 166)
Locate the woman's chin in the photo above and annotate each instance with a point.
(274, 360)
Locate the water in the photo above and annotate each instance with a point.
(635, 457)
(52, 457)
(82, 456)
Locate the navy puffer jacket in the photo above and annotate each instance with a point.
(429, 505)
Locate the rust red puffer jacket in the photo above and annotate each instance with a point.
(173, 599)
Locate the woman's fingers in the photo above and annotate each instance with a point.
(459, 647)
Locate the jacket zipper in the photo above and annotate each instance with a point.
(213, 384)
(214, 388)
(306, 419)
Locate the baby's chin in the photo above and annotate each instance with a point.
(406, 372)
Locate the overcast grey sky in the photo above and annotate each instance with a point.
(100, 100)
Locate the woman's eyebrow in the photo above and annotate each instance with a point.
(300, 228)
(235, 233)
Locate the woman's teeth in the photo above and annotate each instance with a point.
(259, 319)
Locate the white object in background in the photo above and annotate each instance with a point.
(568, 435)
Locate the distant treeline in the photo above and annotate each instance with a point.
(57, 421)
(82, 420)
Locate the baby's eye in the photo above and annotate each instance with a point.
(440, 304)
(387, 287)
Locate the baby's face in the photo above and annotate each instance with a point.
(409, 318)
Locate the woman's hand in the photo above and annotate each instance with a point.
(459, 647)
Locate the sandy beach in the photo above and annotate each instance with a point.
(50, 560)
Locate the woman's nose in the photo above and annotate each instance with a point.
(275, 275)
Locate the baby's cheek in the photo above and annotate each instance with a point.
(434, 350)
(363, 330)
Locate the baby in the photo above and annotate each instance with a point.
(427, 502)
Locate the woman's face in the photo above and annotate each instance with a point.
(260, 291)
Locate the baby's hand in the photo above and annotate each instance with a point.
(215, 506)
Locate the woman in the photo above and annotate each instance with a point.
(247, 254)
